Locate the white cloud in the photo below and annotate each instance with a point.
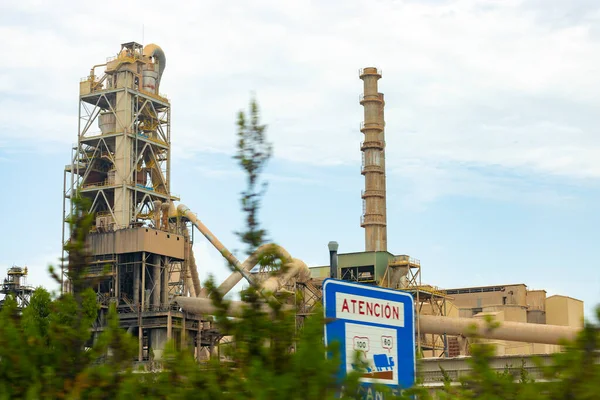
(505, 84)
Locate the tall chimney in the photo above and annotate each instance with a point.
(373, 163)
(333, 260)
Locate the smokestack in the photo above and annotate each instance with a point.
(373, 163)
(333, 259)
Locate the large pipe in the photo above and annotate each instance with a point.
(185, 212)
(512, 331)
(157, 205)
(192, 269)
(250, 263)
(189, 284)
(165, 216)
(296, 268)
(205, 306)
(274, 283)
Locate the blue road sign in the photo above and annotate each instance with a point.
(377, 323)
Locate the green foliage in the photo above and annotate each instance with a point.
(253, 152)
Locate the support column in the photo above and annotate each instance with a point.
(165, 281)
(136, 285)
(198, 334)
(143, 280)
(156, 277)
(169, 325)
(140, 319)
(117, 280)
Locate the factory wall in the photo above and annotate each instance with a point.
(479, 297)
(563, 310)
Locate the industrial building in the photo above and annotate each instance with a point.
(141, 244)
(121, 164)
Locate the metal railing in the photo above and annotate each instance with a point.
(371, 97)
(372, 144)
(371, 168)
(361, 71)
(374, 193)
(370, 125)
(404, 259)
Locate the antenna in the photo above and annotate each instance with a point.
(142, 35)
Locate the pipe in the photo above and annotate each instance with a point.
(185, 212)
(157, 204)
(189, 284)
(153, 50)
(250, 263)
(512, 331)
(172, 211)
(274, 283)
(295, 268)
(205, 306)
(165, 216)
(194, 272)
(333, 259)
(92, 70)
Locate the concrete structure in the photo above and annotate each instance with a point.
(374, 218)
(141, 249)
(565, 311)
(515, 303)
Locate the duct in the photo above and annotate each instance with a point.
(189, 284)
(194, 272)
(205, 306)
(274, 283)
(191, 273)
(165, 216)
(512, 331)
(153, 50)
(185, 212)
(157, 204)
(296, 268)
(250, 263)
(172, 210)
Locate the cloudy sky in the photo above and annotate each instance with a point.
(493, 149)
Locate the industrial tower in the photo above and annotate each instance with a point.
(15, 285)
(373, 163)
(142, 252)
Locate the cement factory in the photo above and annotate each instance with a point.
(145, 235)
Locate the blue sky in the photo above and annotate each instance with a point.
(492, 134)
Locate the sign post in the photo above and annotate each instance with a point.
(377, 323)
